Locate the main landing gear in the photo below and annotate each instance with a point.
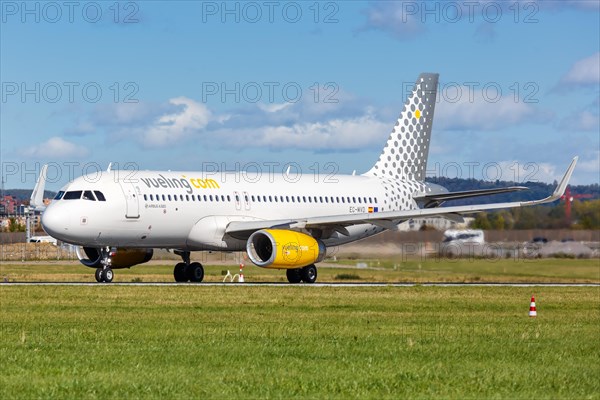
(186, 271)
(105, 272)
(307, 274)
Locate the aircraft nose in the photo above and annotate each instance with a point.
(53, 222)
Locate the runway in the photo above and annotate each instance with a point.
(314, 285)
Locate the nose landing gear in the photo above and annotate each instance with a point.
(105, 273)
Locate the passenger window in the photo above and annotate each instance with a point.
(275, 199)
(354, 199)
(216, 198)
(246, 198)
(210, 197)
(281, 198)
(270, 199)
(228, 198)
(163, 197)
(59, 195)
(287, 199)
(252, 197)
(205, 198)
(169, 197)
(359, 200)
(304, 199)
(222, 198)
(145, 198)
(187, 197)
(370, 201)
(74, 195)
(375, 199)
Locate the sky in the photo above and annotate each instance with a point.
(191, 85)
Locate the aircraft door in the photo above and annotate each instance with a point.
(246, 201)
(238, 201)
(131, 200)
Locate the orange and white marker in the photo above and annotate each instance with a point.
(241, 278)
(532, 310)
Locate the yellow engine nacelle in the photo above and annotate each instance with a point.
(123, 257)
(283, 249)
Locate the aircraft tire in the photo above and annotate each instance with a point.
(179, 273)
(293, 275)
(195, 272)
(107, 275)
(98, 275)
(309, 274)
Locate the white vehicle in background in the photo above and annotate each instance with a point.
(464, 236)
(43, 239)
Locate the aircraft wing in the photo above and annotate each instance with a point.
(433, 200)
(388, 219)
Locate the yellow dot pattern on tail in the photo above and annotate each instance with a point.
(405, 154)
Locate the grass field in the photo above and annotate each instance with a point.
(298, 342)
(385, 270)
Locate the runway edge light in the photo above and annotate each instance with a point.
(532, 309)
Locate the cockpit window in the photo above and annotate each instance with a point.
(99, 195)
(73, 195)
(59, 195)
(88, 195)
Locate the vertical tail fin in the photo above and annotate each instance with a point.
(37, 196)
(405, 154)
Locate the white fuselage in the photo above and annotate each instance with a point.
(190, 210)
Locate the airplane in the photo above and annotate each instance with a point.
(117, 219)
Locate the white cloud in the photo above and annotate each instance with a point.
(591, 165)
(479, 113)
(173, 127)
(582, 121)
(81, 129)
(55, 147)
(394, 18)
(584, 72)
(334, 135)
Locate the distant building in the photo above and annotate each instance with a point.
(8, 205)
